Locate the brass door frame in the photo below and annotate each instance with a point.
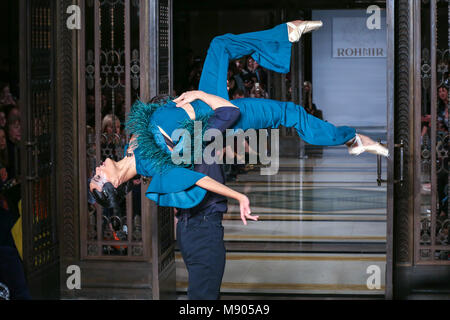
(390, 63)
(411, 276)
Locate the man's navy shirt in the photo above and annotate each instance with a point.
(222, 119)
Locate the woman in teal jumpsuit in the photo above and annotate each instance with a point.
(176, 185)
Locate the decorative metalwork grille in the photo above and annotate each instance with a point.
(38, 176)
(166, 234)
(166, 257)
(164, 48)
(112, 61)
(434, 222)
(112, 84)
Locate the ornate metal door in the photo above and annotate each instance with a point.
(124, 55)
(37, 168)
(421, 225)
(432, 221)
(110, 73)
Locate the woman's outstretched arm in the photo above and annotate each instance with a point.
(217, 187)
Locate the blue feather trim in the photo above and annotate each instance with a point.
(189, 125)
(139, 124)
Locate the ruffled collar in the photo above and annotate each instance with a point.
(150, 142)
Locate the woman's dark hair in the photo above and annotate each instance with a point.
(111, 197)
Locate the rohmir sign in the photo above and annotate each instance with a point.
(353, 39)
(360, 52)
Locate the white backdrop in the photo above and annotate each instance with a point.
(350, 91)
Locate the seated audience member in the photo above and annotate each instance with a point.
(2, 117)
(238, 94)
(3, 157)
(6, 97)
(111, 129)
(13, 134)
(236, 69)
(258, 91)
(308, 104)
(261, 75)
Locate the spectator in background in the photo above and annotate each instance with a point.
(2, 118)
(247, 72)
(258, 91)
(441, 113)
(90, 110)
(442, 99)
(106, 107)
(238, 94)
(442, 125)
(13, 123)
(235, 69)
(3, 149)
(254, 71)
(308, 104)
(248, 76)
(111, 127)
(259, 72)
(289, 89)
(6, 98)
(195, 73)
(231, 86)
(120, 106)
(4, 161)
(248, 84)
(13, 133)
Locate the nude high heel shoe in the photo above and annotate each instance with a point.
(303, 27)
(357, 147)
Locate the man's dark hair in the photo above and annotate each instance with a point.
(111, 197)
(161, 99)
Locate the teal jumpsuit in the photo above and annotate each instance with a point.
(271, 48)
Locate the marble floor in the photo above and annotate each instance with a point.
(322, 226)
